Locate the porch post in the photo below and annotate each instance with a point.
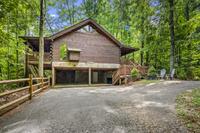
(89, 75)
(53, 76)
(26, 62)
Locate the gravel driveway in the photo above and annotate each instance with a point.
(112, 109)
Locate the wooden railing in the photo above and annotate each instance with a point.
(123, 71)
(34, 56)
(142, 69)
(32, 87)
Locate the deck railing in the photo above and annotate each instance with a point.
(123, 71)
(34, 56)
(32, 86)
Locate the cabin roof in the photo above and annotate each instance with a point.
(35, 40)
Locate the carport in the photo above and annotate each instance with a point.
(78, 76)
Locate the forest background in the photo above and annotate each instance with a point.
(167, 32)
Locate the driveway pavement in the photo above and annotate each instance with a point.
(113, 109)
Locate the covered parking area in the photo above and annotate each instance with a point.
(70, 76)
(82, 73)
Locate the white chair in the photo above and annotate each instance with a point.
(171, 75)
(162, 74)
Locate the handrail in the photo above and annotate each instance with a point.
(122, 71)
(13, 81)
(42, 85)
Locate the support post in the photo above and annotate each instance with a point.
(89, 76)
(49, 82)
(53, 76)
(26, 62)
(120, 81)
(42, 82)
(31, 86)
(126, 80)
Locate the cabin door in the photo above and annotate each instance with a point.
(95, 77)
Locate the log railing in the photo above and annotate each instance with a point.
(32, 87)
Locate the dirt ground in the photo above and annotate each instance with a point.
(111, 109)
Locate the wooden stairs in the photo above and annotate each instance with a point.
(33, 70)
(123, 74)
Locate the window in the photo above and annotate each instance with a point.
(87, 28)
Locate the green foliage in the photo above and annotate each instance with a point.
(17, 17)
(143, 24)
(188, 104)
(63, 51)
(196, 73)
(181, 74)
(152, 72)
(135, 73)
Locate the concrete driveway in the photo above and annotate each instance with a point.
(111, 109)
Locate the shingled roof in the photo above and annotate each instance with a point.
(124, 49)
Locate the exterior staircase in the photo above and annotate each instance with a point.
(123, 74)
(33, 70)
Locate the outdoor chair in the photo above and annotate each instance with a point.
(171, 75)
(162, 74)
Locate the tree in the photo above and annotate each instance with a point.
(172, 37)
(41, 39)
(166, 31)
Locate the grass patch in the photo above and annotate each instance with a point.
(188, 109)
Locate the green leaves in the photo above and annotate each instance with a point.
(63, 51)
(16, 18)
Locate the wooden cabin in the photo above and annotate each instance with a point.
(84, 53)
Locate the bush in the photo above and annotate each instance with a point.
(181, 74)
(135, 73)
(152, 72)
(196, 73)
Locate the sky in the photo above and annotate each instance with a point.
(52, 11)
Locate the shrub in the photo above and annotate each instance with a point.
(152, 72)
(63, 51)
(181, 74)
(196, 73)
(135, 73)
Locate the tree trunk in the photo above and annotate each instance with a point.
(189, 47)
(147, 58)
(41, 39)
(17, 51)
(142, 53)
(142, 45)
(171, 25)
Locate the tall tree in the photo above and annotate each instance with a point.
(41, 39)
(172, 37)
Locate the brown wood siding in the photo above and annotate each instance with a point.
(95, 47)
(74, 56)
